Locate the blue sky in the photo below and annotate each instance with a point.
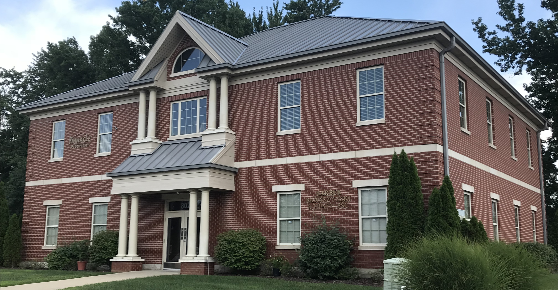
(28, 25)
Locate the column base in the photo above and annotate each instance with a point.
(146, 145)
(197, 267)
(126, 264)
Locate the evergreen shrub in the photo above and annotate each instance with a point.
(443, 218)
(241, 250)
(325, 252)
(65, 257)
(12, 242)
(473, 231)
(104, 247)
(545, 254)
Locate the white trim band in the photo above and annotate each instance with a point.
(516, 202)
(370, 182)
(52, 202)
(533, 208)
(495, 196)
(67, 180)
(467, 188)
(102, 199)
(288, 187)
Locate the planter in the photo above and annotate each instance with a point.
(276, 272)
(81, 265)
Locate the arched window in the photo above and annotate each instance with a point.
(188, 60)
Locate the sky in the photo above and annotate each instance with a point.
(27, 25)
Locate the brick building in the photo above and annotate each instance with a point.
(273, 131)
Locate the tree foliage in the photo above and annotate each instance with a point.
(12, 242)
(4, 218)
(298, 10)
(526, 45)
(473, 231)
(405, 205)
(443, 218)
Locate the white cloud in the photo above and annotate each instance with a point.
(49, 20)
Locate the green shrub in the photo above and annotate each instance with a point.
(104, 247)
(325, 252)
(443, 218)
(405, 205)
(545, 254)
(65, 257)
(473, 231)
(242, 250)
(12, 242)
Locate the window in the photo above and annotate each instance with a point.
(462, 104)
(58, 132)
(534, 216)
(188, 60)
(371, 95)
(512, 137)
(188, 117)
(99, 222)
(373, 216)
(105, 133)
(489, 125)
(529, 149)
(467, 203)
(289, 106)
(51, 228)
(516, 218)
(495, 219)
(289, 218)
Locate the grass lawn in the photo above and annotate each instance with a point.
(10, 277)
(217, 282)
(551, 282)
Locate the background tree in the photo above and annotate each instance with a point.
(405, 205)
(12, 242)
(4, 217)
(275, 15)
(531, 45)
(443, 218)
(298, 10)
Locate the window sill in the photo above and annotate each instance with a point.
(182, 73)
(531, 167)
(55, 159)
(102, 154)
(288, 132)
(178, 137)
(492, 146)
(287, 247)
(377, 247)
(370, 122)
(465, 131)
(49, 247)
(514, 158)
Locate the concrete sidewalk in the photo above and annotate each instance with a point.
(61, 284)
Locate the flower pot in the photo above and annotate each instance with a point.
(276, 272)
(81, 265)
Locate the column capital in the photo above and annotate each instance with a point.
(124, 196)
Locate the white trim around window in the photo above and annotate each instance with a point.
(489, 122)
(512, 137)
(467, 204)
(289, 105)
(534, 217)
(462, 92)
(529, 156)
(517, 223)
(370, 90)
(288, 220)
(372, 222)
(98, 218)
(57, 144)
(495, 229)
(104, 134)
(177, 130)
(51, 226)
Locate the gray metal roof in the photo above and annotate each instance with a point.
(171, 155)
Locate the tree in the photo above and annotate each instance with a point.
(275, 15)
(405, 205)
(298, 10)
(4, 217)
(258, 21)
(12, 242)
(531, 46)
(443, 218)
(473, 230)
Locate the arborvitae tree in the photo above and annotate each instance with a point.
(442, 217)
(4, 216)
(12, 242)
(404, 205)
(473, 231)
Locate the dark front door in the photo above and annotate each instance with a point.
(174, 227)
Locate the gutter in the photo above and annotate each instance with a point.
(541, 180)
(444, 113)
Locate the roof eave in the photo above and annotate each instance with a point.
(187, 167)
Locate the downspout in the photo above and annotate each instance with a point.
(444, 114)
(541, 180)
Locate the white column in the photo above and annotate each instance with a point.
(151, 122)
(133, 240)
(212, 121)
(224, 103)
(141, 116)
(192, 224)
(204, 224)
(123, 230)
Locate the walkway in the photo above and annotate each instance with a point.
(61, 284)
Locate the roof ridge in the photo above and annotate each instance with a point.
(285, 25)
(212, 27)
(384, 19)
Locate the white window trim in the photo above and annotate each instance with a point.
(375, 121)
(464, 105)
(495, 196)
(93, 216)
(490, 122)
(97, 153)
(470, 194)
(180, 73)
(370, 182)
(369, 246)
(279, 245)
(533, 208)
(529, 156)
(467, 187)
(288, 187)
(292, 131)
(517, 224)
(191, 135)
(52, 202)
(534, 218)
(102, 199)
(497, 233)
(52, 159)
(47, 226)
(511, 128)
